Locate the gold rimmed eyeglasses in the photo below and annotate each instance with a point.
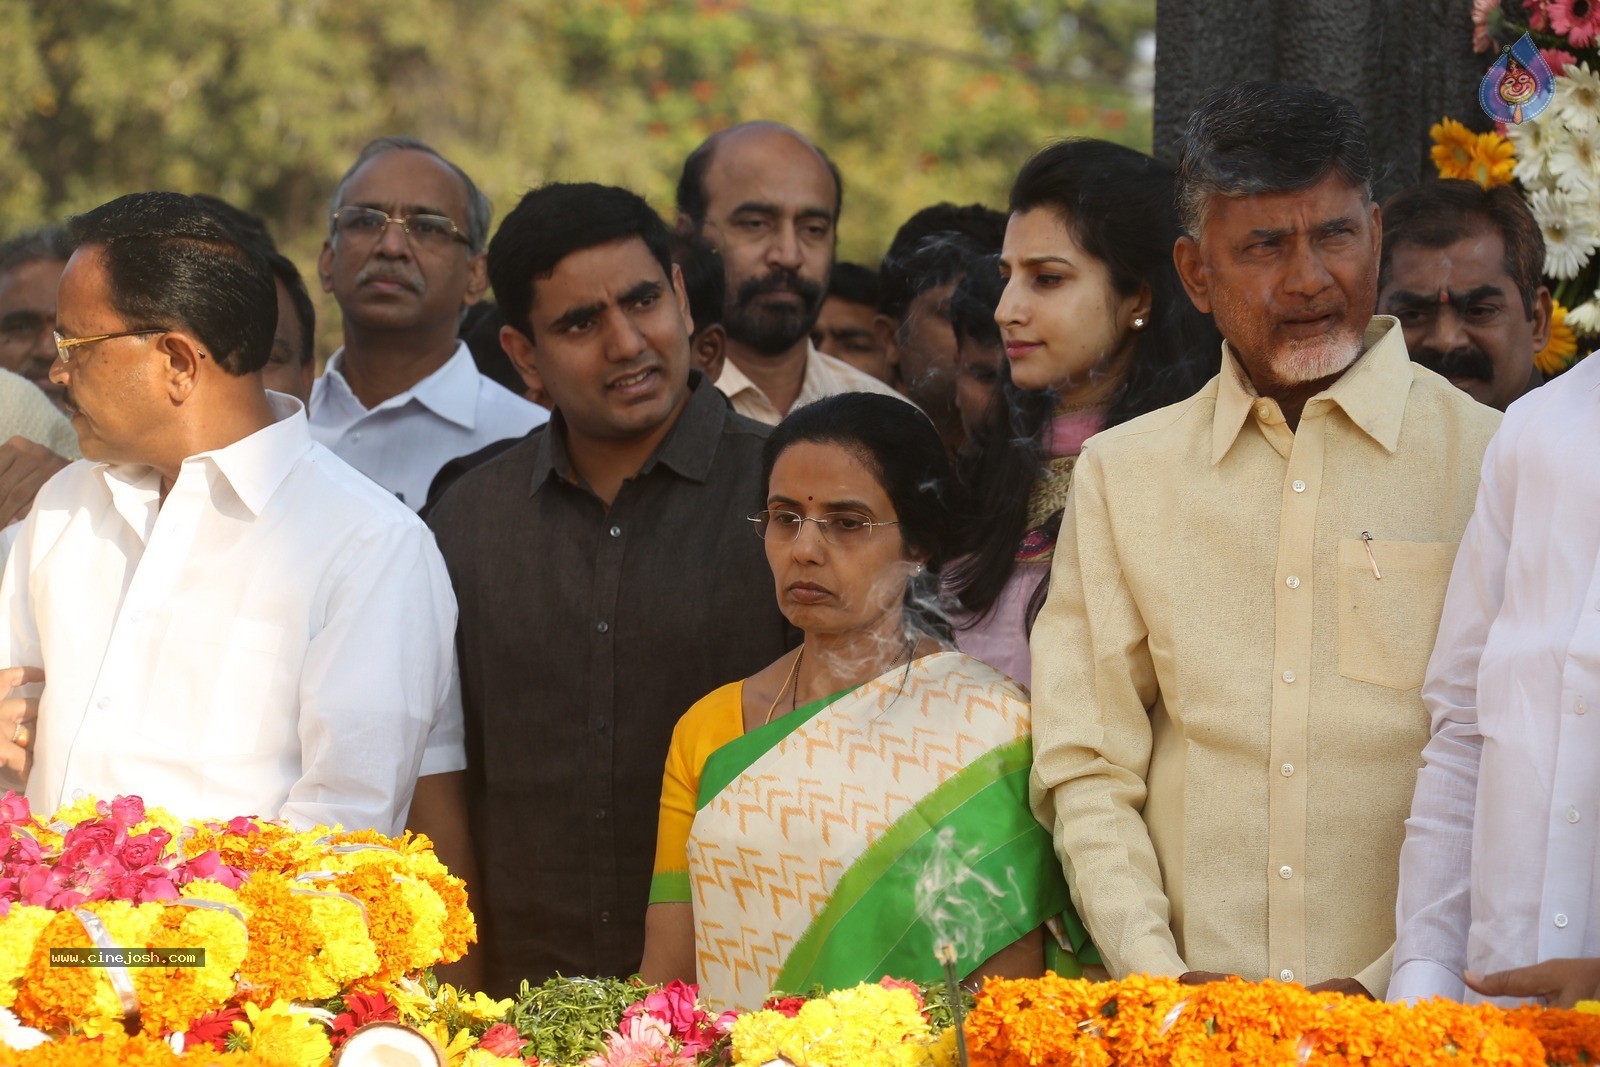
(64, 345)
(370, 224)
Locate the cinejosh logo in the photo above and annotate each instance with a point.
(127, 957)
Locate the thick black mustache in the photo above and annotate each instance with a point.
(1469, 363)
(779, 281)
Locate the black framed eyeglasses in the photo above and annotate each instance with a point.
(837, 528)
(369, 224)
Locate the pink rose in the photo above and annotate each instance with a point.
(208, 865)
(98, 835)
(243, 825)
(502, 1039)
(129, 811)
(20, 849)
(14, 808)
(145, 849)
(910, 987)
(157, 884)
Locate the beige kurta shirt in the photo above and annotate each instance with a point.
(825, 376)
(1227, 718)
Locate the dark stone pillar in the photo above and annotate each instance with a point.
(1403, 63)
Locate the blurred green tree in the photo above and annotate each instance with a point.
(264, 102)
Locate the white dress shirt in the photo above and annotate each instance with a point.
(275, 639)
(1499, 867)
(402, 443)
(825, 375)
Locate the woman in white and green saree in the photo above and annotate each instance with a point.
(860, 806)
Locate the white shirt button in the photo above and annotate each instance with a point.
(1287, 770)
(1572, 815)
(1288, 676)
(1299, 486)
(103, 703)
(1286, 975)
(1579, 706)
(1561, 922)
(1285, 871)
(1293, 581)
(355, 438)
(616, 531)
(1263, 408)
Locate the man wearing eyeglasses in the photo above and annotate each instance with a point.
(404, 258)
(226, 619)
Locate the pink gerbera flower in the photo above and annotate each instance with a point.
(1558, 59)
(1481, 41)
(1578, 19)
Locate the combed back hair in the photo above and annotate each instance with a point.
(45, 244)
(692, 199)
(973, 303)
(854, 283)
(1262, 137)
(902, 450)
(1117, 204)
(479, 210)
(1438, 213)
(705, 281)
(552, 222)
(934, 247)
(173, 265)
(305, 312)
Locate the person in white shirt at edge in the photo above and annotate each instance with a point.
(1500, 871)
(768, 201)
(404, 259)
(227, 619)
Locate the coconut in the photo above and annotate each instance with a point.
(389, 1045)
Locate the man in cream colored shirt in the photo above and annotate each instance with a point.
(1227, 723)
(227, 619)
(768, 200)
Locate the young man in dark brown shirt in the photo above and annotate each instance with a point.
(607, 580)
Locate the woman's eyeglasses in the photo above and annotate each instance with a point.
(838, 528)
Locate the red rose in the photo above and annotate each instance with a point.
(129, 811)
(789, 1006)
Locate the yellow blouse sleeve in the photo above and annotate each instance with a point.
(715, 720)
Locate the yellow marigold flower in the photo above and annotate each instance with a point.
(404, 916)
(285, 1035)
(1587, 1007)
(477, 1057)
(1559, 352)
(1485, 158)
(80, 998)
(22, 926)
(171, 997)
(868, 1026)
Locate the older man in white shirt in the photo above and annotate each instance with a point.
(1501, 864)
(404, 255)
(226, 617)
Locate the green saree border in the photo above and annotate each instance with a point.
(734, 758)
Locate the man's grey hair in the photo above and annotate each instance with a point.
(45, 244)
(1261, 137)
(479, 210)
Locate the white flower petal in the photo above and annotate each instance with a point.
(1569, 231)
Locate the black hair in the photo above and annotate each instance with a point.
(973, 302)
(48, 243)
(1118, 206)
(1262, 137)
(934, 247)
(854, 283)
(898, 444)
(692, 199)
(479, 209)
(246, 225)
(705, 280)
(284, 270)
(552, 222)
(1438, 213)
(172, 264)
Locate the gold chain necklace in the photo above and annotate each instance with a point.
(794, 673)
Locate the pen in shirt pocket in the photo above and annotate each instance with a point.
(1366, 543)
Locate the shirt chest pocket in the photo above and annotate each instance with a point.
(219, 687)
(1387, 625)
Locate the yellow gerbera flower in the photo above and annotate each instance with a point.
(1557, 354)
(286, 1035)
(1485, 158)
